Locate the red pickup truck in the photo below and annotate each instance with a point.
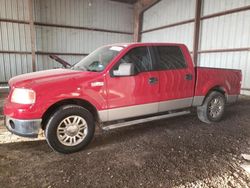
(115, 86)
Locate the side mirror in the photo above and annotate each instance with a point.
(124, 69)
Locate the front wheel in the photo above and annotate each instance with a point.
(70, 129)
(213, 108)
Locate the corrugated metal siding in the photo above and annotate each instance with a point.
(229, 31)
(53, 39)
(14, 9)
(214, 6)
(178, 34)
(14, 37)
(14, 64)
(167, 12)
(102, 14)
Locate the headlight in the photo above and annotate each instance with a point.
(23, 96)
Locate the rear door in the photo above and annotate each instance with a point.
(131, 96)
(176, 78)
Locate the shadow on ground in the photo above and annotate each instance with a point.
(178, 152)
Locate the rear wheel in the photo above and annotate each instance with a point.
(70, 129)
(213, 108)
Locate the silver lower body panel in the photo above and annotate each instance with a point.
(232, 98)
(156, 107)
(25, 128)
(144, 109)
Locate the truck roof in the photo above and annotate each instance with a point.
(146, 43)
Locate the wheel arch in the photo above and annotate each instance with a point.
(217, 88)
(83, 103)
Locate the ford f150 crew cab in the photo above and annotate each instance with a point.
(115, 86)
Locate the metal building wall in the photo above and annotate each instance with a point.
(70, 28)
(170, 21)
(177, 34)
(14, 39)
(224, 31)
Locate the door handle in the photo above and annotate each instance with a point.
(188, 76)
(152, 80)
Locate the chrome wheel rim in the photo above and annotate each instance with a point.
(215, 107)
(72, 130)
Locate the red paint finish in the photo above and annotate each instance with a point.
(208, 78)
(132, 90)
(53, 86)
(174, 84)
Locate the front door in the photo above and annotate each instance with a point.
(131, 96)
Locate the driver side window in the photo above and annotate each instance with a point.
(140, 57)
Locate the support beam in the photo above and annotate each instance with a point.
(137, 22)
(225, 50)
(139, 8)
(226, 12)
(197, 30)
(32, 34)
(169, 25)
(81, 28)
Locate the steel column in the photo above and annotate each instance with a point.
(139, 8)
(137, 22)
(197, 30)
(32, 34)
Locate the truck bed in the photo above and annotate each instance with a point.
(229, 80)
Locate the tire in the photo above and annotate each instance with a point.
(213, 108)
(70, 129)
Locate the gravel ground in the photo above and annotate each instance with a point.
(177, 152)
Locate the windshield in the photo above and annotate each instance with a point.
(98, 60)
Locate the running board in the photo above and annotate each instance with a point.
(144, 120)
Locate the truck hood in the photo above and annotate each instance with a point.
(40, 77)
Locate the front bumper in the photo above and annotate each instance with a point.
(25, 128)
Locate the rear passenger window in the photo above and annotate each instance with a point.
(169, 57)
